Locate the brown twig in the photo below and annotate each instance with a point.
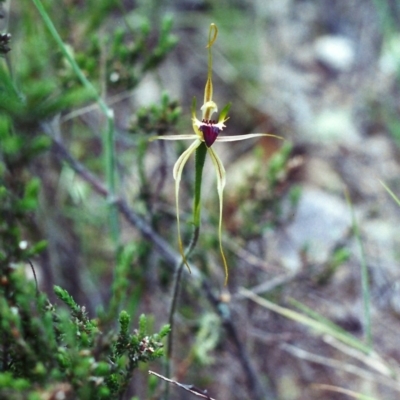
(190, 388)
(34, 277)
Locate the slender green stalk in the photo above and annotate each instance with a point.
(174, 302)
(364, 275)
(201, 153)
(108, 137)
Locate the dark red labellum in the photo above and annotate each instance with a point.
(210, 132)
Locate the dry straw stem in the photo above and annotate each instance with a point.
(371, 360)
(271, 284)
(337, 338)
(322, 327)
(347, 392)
(343, 366)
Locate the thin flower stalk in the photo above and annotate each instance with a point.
(206, 133)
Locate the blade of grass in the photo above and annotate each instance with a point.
(395, 198)
(364, 274)
(108, 137)
(341, 366)
(371, 358)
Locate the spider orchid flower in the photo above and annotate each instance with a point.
(206, 132)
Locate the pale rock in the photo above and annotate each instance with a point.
(321, 221)
(335, 52)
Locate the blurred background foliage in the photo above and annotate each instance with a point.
(323, 75)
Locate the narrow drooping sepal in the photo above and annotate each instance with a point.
(221, 180)
(210, 132)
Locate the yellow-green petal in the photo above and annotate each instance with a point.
(223, 114)
(177, 172)
(235, 138)
(174, 137)
(221, 180)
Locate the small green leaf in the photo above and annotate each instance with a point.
(165, 330)
(124, 320)
(142, 325)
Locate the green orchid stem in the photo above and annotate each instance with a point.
(201, 153)
(172, 310)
